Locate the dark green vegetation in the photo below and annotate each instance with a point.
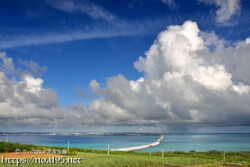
(10, 147)
(100, 158)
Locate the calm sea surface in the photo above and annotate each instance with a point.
(171, 142)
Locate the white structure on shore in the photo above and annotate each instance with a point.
(141, 147)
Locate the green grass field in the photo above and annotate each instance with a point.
(99, 158)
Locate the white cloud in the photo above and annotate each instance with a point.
(33, 85)
(26, 102)
(182, 85)
(185, 85)
(227, 8)
(22, 101)
(177, 49)
(248, 41)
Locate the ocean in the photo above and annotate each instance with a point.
(171, 142)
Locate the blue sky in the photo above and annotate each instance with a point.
(99, 57)
(76, 41)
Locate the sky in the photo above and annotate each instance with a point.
(172, 66)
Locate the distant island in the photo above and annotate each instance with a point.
(81, 133)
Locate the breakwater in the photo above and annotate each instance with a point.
(140, 147)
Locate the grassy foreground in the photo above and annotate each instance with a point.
(99, 158)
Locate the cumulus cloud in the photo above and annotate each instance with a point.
(236, 60)
(227, 8)
(213, 42)
(186, 85)
(183, 84)
(25, 102)
(177, 49)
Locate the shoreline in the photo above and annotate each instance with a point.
(186, 143)
(104, 151)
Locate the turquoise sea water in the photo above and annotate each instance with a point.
(171, 142)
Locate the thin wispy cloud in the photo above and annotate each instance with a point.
(49, 38)
(226, 9)
(120, 28)
(170, 3)
(92, 10)
(107, 27)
